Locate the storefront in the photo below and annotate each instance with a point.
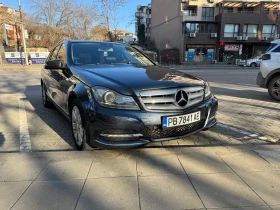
(229, 52)
(200, 53)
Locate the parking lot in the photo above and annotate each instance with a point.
(236, 164)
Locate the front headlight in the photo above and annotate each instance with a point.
(111, 99)
(207, 92)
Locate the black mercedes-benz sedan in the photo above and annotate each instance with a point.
(116, 97)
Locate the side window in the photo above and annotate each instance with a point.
(61, 55)
(276, 49)
(53, 55)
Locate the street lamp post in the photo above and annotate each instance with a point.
(23, 33)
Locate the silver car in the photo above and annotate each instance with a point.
(252, 62)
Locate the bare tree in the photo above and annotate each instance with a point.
(75, 19)
(109, 12)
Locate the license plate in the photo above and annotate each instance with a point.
(186, 119)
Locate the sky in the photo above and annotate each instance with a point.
(127, 10)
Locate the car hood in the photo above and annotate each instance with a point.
(128, 78)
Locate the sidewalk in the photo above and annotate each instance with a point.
(21, 67)
(235, 177)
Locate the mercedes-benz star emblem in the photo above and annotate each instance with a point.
(181, 98)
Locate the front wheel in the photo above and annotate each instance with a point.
(274, 88)
(79, 131)
(45, 99)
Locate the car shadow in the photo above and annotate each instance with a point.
(2, 139)
(56, 122)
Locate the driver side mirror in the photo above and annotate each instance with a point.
(54, 64)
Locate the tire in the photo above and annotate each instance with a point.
(274, 88)
(253, 65)
(79, 131)
(45, 99)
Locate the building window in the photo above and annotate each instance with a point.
(201, 28)
(208, 13)
(190, 12)
(266, 11)
(268, 31)
(245, 10)
(250, 30)
(231, 30)
(228, 10)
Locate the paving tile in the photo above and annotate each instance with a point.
(248, 161)
(203, 163)
(159, 165)
(272, 156)
(77, 168)
(110, 193)
(10, 192)
(22, 170)
(224, 190)
(50, 195)
(168, 192)
(265, 183)
(113, 168)
(275, 207)
(245, 208)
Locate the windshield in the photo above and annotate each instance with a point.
(106, 53)
(271, 46)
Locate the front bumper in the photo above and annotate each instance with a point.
(111, 128)
(260, 80)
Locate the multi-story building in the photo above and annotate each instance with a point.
(207, 30)
(143, 16)
(9, 27)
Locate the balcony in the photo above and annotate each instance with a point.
(250, 17)
(190, 16)
(208, 18)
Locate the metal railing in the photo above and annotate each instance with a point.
(189, 14)
(207, 18)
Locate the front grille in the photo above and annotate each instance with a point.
(164, 99)
(156, 131)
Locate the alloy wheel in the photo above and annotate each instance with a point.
(77, 126)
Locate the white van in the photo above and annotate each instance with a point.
(269, 75)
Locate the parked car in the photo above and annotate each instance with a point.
(269, 75)
(116, 97)
(251, 62)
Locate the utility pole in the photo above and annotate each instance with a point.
(23, 33)
(277, 22)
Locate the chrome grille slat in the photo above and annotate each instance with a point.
(164, 107)
(164, 99)
(157, 92)
(151, 100)
(195, 95)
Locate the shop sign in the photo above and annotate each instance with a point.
(231, 47)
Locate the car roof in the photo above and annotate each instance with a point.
(277, 41)
(93, 41)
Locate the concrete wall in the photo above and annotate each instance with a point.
(166, 28)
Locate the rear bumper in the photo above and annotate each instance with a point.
(126, 129)
(260, 80)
